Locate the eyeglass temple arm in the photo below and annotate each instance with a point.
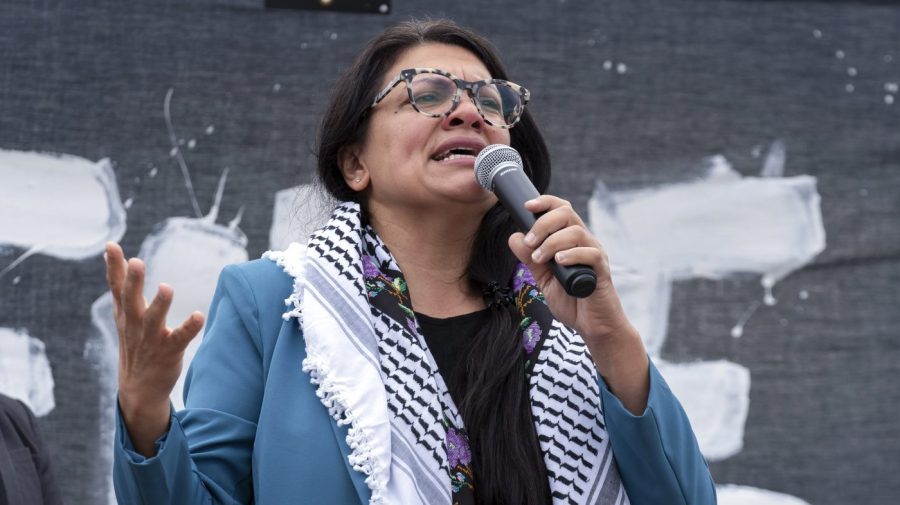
(387, 89)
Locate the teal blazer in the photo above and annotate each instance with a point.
(254, 431)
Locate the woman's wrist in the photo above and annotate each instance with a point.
(145, 421)
(622, 361)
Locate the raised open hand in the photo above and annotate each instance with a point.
(150, 353)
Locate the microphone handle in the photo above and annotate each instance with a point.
(513, 191)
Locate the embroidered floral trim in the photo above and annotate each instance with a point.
(459, 455)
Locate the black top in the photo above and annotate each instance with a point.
(446, 339)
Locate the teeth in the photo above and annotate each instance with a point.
(450, 155)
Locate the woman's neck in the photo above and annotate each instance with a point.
(432, 249)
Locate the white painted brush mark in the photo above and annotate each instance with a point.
(297, 213)
(101, 352)
(712, 227)
(721, 224)
(730, 494)
(57, 204)
(25, 372)
(716, 397)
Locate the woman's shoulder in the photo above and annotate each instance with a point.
(270, 279)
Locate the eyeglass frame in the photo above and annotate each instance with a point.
(472, 87)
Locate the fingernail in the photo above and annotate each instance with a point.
(530, 239)
(536, 255)
(560, 256)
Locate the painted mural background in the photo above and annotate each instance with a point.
(740, 161)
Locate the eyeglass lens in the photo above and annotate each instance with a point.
(433, 94)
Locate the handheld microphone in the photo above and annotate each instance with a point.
(499, 168)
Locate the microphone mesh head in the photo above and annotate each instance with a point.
(490, 158)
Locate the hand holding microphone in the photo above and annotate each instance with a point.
(558, 245)
(498, 168)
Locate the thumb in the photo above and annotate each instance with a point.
(523, 252)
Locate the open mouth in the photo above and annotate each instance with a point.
(455, 154)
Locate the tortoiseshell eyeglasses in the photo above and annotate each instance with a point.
(436, 93)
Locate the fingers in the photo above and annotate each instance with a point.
(188, 329)
(563, 240)
(557, 215)
(155, 315)
(115, 272)
(133, 304)
(520, 249)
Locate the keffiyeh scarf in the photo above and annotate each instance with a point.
(374, 373)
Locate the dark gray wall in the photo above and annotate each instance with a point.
(89, 78)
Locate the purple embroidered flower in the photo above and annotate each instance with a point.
(458, 448)
(523, 276)
(531, 336)
(370, 268)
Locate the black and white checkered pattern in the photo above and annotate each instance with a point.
(563, 385)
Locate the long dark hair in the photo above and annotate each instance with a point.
(496, 408)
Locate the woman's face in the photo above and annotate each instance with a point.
(401, 162)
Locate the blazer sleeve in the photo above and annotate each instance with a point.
(206, 455)
(657, 453)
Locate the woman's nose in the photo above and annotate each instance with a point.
(465, 114)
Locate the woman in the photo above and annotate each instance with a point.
(427, 354)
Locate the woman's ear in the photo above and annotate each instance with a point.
(354, 170)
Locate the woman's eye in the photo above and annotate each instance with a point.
(491, 105)
(429, 98)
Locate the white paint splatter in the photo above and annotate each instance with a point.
(16, 280)
(817, 33)
(56, 204)
(803, 294)
(731, 494)
(128, 203)
(383, 8)
(210, 129)
(849, 88)
(101, 352)
(607, 65)
(191, 144)
(153, 172)
(276, 88)
(298, 212)
(621, 68)
(889, 99)
(773, 166)
(720, 224)
(851, 71)
(737, 331)
(891, 87)
(756, 152)
(176, 152)
(839, 54)
(25, 372)
(333, 36)
(716, 397)
(717, 225)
